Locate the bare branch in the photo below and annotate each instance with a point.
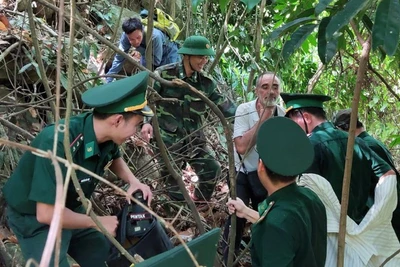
(364, 58)
(313, 81)
(384, 81)
(174, 174)
(357, 32)
(17, 129)
(38, 56)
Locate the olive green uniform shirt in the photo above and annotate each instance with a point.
(330, 145)
(34, 178)
(177, 119)
(379, 148)
(291, 231)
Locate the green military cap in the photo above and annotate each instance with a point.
(124, 95)
(196, 45)
(284, 147)
(342, 118)
(203, 248)
(295, 101)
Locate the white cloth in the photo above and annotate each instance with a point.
(370, 242)
(245, 118)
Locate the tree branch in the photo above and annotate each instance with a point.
(149, 37)
(313, 81)
(8, 50)
(17, 129)
(350, 149)
(357, 32)
(174, 173)
(38, 56)
(384, 81)
(220, 49)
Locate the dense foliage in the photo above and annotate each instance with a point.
(315, 47)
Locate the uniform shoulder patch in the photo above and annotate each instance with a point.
(76, 143)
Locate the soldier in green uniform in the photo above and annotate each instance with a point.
(290, 227)
(330, 146)
(342, 121)
(119, 108)
(184, 118)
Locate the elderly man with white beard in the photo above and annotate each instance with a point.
(248, 118)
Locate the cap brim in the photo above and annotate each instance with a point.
(145, 111)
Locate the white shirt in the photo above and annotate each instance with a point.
(368, 243)
(245, 118)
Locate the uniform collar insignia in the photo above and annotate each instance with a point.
(91, 146)
(89, 149)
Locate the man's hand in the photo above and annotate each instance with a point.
(266, 113)
(265, 109)
(237, 206)
(136, 55)
(146, 132)
(136, 185)
(110, 223)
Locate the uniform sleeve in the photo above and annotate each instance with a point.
(278, 247)
(241, 121)
(43, 187)
(118, 61)
(379, 166)
(157, 39)
(382, 152)
(227, 107)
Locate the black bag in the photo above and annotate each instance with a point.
(139, 233)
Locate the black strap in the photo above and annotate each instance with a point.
(243, 166)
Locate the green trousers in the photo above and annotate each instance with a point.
(88, 247)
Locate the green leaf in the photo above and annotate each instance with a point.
(86, 50)
(37, 69)
(296, 39)
(321, 6)
(342, 43)
(250, 4)
(285, 28)
(306, 13)
(395, 142)
(223, 4)
(386, 29)
(326, 49)
(344, 16)
(367, 22)
(195, 3)
(24, 68)
(64, 80)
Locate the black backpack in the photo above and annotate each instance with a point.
(139, 233)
